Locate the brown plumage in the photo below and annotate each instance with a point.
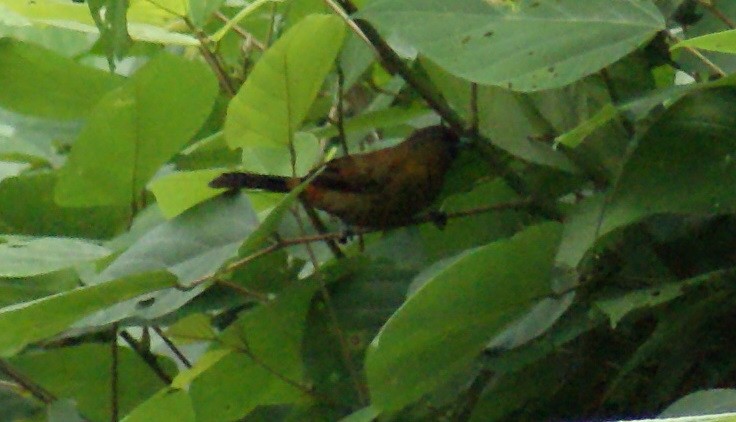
(382, 188)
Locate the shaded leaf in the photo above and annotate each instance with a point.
(82, 373)
(191, 246)
(27, 257)
(267, 344)
(448, 321)
(166, 405)
(524, 45)
(33, 321)
(40, 82)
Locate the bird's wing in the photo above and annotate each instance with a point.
(364, 173)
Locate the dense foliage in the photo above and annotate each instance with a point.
(585, 272)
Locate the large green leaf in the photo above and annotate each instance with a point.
(167, 405)
(448, 321)
(192, 246)
(524, 45)
(40, 82)
(177, 192)
(33, 321)
(277, 95)
(147, 21)
(82, 373)
(516, 134)
(272, 335)
(34, 212)
(134, 130)
(724, 42)
(684, 163)
(21, 257)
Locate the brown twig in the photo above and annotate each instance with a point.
(321, 228)
(145, 354)
(211, 59)
(308, 390)
(347, 356)
(226, 84)
(335, 236)
(243, 291)
(341, 109)
(242, 32)
(391, 61)
(114, 371)
(26, 383)
(711, 7)
(170, 344)
(709, 64)
(474, 115)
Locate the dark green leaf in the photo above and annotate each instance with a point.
(444, 325)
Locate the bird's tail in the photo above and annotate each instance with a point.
(240, 180)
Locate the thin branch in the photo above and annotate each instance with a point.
(308, 390)
(341, 109)
(211, 58)
(474, 116)
(242, 32)
(393, 63)
(243, 291)
(170, 344)
(711, 7)
(709, 64)
(340, 11)
(347, 356)
(322, 229)
(114, 371)
(271, 27)
(473, 394)
(336, 236)
(145, 354)
(28, 384)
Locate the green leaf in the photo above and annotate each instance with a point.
(684, 163)
(167, 405)
(713, 401)
(387, 117)
(146, 21)
(525, 45)
(242, 14)
(34, 211)
(447, 322)
(110, 17)
(192, 246)
(366, 414)
(495, 105)
(33, 321)
(40, 82)
(32, 139)
(724, 42)
(179, 191)
(82, 373)
(27, 257)
(576, 136)
(277, 95)
(269, 339)
(134, 130)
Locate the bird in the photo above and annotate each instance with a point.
(379, 189)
